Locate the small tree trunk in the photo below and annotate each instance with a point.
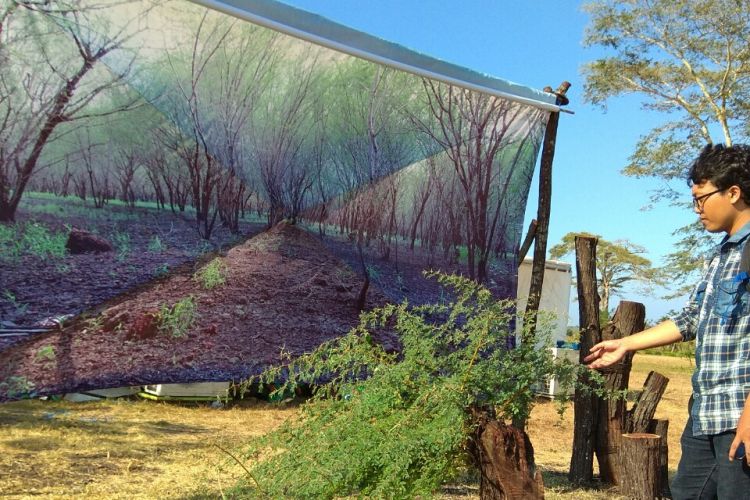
(586, 406)
(660, 427)
(640, 466)
(505, 459)
(628, 319)
(362, 296)
(639, 417)
(7, 213)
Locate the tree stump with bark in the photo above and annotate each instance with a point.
(628, 319)
(660, 427)
(585, 405)
(640, 454)
(505, 459)
(638, 419)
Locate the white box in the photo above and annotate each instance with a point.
(192, 390)
(550, 387)
(97, 394)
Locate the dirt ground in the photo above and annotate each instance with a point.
(286, 290)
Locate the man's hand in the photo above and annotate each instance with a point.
(741, 441)
(606, 353)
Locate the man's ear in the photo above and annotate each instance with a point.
(735, 194)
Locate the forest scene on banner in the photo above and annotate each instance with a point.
(187, 197)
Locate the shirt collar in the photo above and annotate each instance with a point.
(735, 238)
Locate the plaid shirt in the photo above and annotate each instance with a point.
(717, 316)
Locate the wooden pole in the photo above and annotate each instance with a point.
(640, 466)
(585, 406)
(543, 211)
(628, 319)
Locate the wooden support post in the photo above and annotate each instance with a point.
(660, 427)
(585, 406)
(640, 466)
(639, 417)
(543, 210)
(628, 319)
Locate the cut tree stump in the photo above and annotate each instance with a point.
(640, 455)
(660, 427)
(628, 319)
(505, 459)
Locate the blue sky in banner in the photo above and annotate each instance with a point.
(539, 43)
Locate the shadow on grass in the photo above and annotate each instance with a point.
(558, 481)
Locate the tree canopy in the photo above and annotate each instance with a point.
(688, 59)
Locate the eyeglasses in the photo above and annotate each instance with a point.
(699, 201)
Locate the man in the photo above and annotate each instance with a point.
(717, 316)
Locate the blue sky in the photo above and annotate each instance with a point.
(539, 43)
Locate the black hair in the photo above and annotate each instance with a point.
(724, 166)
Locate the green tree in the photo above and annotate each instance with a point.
(617, 263)
(688, 59)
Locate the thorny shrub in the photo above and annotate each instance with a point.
(392, 425)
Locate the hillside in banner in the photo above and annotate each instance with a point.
(165, 306)
(279, 292)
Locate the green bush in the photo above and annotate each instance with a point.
(16, 387)
(212, 274)
(177, 320)
(20, 307)
(121, 242)
(17, 240)
(45, 353)
(161, 270)
(155, 245)
(396, 425)
(39, 241)
(9, 247)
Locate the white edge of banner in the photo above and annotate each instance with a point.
(317, 39)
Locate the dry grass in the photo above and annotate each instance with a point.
(124, 448)
(143, 449)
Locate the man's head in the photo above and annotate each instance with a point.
(720, 182)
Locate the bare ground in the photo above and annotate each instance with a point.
(287, 290)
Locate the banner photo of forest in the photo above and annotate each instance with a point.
(206, 114)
